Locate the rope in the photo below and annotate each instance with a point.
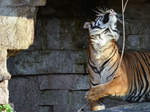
(124, 31)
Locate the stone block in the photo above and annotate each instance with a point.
(60, 34)
(61, 98)
(43, 62)
(68, 108)
(54, 97)
(60, 108)
(22, 3)
(71, 101)
(73, 35)
(137, 42)
(4, 94)
(145, 42)
(17, 27)
(46, 109)
(63, 108)
(24, 94)
(64, 82)
(133, 42)
(135, 27)
(47, 34)
(135, 107)
(77, 98)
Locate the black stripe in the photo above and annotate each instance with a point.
(146, 81)
(135, 88)
(140, 84)
(112, 55)
(112, 74)
(93, 67)
(93, 83)
(146, 62)
(131, 93)
(116, 62)
(108, 60)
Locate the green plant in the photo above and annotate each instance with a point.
(6, 108)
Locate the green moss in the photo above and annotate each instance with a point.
(6, 108)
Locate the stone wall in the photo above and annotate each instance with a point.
(17, 32)
(51, 76)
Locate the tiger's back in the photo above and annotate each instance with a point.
(138, 75)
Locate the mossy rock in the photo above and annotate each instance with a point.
(6, 108)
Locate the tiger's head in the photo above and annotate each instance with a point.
(103, 29)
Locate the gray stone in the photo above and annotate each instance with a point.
(59, 108)
(137, 42)
(75, 102)
(42, 62)
(133, 42)
(63, 100)
(77, 98)
(73, 35)
(62, 97)
(135, 107)
(67, 108)
(22, 3)
(46, 109)
(62, 108)
(17, 27)
(60, 34)
(137, 27)
(145, 42)
(54, 97)
(24, 94)
(69, 82)
(47, 34)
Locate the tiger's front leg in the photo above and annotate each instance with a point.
(94, 95)
(117, 87)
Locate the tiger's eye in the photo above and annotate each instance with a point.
(111, 10)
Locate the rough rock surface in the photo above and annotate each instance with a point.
(4, 77)
(22, 3)
(135, 107)
(71, 62)
(16, 32)
(4, 94)
(17, 27)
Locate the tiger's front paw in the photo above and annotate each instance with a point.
(92, 95)
(96, 107)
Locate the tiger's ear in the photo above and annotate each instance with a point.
(86, 25)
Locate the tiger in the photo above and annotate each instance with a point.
(129, 81)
